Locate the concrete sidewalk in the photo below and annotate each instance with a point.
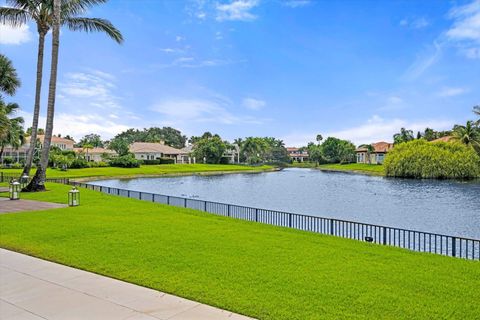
(10, 206)
(32, 288)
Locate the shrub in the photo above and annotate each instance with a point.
(126, 161)
(17, 165)
(97, 164)
(150, 162)
(440, 160)
(79, 163)
(7, 160)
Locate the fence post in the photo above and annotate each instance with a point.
(185, 202)
(139, 196)
(168, 200)
(384, 235)
(128, 193)
(153, 197)
(331, 227)
(256, 215)
(228, 210)
(454, 247)
(205, 206)
(290, 220)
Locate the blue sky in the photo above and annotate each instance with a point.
(358, 70)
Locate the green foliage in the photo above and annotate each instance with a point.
(335, 150)
(158, 161)
(210, 148)
(91, 140)
(7, 160)
(404, 136)
(126, 161)
(441, 160)
(172, 137)
(120, 146)
(256, 150)
(79, 163)
(262, 271)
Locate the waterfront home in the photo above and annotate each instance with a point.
(96, 154)
(20, 154)
(376, 156)
(297, 154)
(155, 151)
(231, 155)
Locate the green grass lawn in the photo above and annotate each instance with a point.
(144, 170)
(258, 270)
(355, 167)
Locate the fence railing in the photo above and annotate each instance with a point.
(7, 177)
(403, 238)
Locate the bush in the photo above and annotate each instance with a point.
(440, 160)
(126, 161)
(79, 163)
(158, 161)
(97, 164)
(7, 160)
(16, 165)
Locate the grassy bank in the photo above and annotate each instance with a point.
(372, 169)
(151, 170)
(259, 270)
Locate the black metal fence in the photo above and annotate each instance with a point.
(7, 177)
(403, 238)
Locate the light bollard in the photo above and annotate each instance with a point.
(74, 197)
(24, 180)
(14, 190)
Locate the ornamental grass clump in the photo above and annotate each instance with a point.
(432, 160)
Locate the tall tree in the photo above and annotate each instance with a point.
(13, 136)
(404, 136)
(20, 12)
(9, 81)
(38, 181)
(468, 134)
(476, 110)
(93, 140)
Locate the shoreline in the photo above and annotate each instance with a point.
(169, 175)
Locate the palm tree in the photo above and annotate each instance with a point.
(468, 135)
(404, 136)
(13, 135)
(370, 149)
(9, 81)
(40, 11)
(476, 110)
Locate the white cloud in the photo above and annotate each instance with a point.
(415, 23)
(238, 10)
(79, 125)
(200, 112)
(424, 61)
(179, 38)
(375, 129)
(451, 92)
(15, 35)
(465, 30)
(253, 104)
(296, 3)
(191, 62)
(466, 24)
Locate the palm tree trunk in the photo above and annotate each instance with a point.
(36, 109)
(38, 181)
(1, 152)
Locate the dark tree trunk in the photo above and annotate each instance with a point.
(38, 181)
(36, 109)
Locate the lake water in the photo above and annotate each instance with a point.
(447, 207)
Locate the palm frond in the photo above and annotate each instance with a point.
(94, 25)
(70, 8)
(13, 16)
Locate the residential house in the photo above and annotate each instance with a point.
(155, 151)
(95, 154)
(231, 155)
(377, 156)
(297, 154)
(20, 154)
